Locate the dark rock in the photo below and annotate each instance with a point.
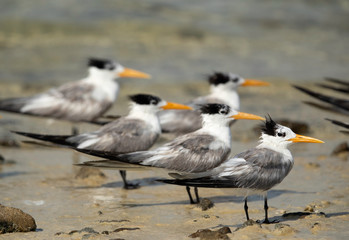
(73, 231)
(86, 229)
(123, 229)
(87, 172)
(105, 232)
(248, 223)
(113, 221)
(207, 234)
(205, 204)
(315, 225)
(15, 220)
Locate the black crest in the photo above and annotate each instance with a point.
(145, 99)
(101, 63)
(215, 108)
(269, 127)
(218, 78)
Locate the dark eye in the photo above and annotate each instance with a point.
(153, 102)
(281, 134)
(235, 80)
(110, 66)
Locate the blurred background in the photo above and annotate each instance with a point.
(48, 41)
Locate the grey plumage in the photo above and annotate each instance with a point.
(120, 136)
(81, 101)
(196, 152)
(253, 171)
(189, 154)
(135, 132)
(71, 101)
(261, 169)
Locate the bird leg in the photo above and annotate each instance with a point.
(74, 130)
(246, 209)
(127, 185)
(266, 220)
(197, 194)
(189, 194)
(266, 207)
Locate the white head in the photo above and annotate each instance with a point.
(109, 70)
(221, 115)
(280, 137)
(231, 81)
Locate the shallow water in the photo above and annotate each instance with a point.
(175, 41)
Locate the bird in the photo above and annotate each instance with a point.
(340, 123)
(337, 104)
(254, 171)
(137, 131)
(223, 89)
(80, 101)
(344, 85)
(194, 152)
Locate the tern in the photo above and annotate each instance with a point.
(340, 123)
(195, 152)
(339, 104)
(81, 101)
(223, 88)
(137, 131)
(342, 88)
(254, 171)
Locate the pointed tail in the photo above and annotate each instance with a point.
(57, 139)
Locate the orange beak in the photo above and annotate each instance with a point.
(128, 72)
(248, 116)
(171, 105)
(253, 82)
(301, 138)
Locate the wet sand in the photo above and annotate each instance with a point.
(45, 44)
(42, 181)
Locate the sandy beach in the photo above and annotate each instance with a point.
(178, 43)
(42, 182)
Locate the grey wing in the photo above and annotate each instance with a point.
(257, 168)
(74, 91)
(72, 101)
(179, 121)
(188, 153)
(14, 104)
(120, 136)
